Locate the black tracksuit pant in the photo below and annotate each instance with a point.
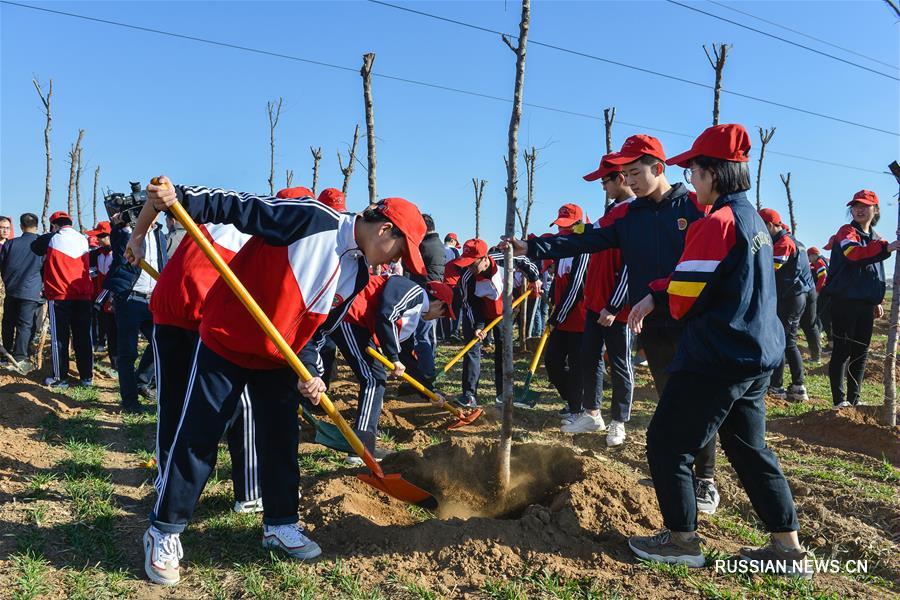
(790, 310)
(71, 317)
(215, 387)
(563, 361)
(809, 323)
(352, 341)
(471, 369)
(852, 321)
(175, 348)
(660, 344)
(18, 322)
(692, 409)
(616, 339)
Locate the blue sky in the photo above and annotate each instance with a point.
(151, 104)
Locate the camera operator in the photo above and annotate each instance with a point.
(131, 288)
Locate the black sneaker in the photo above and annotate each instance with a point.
(775, 558)
(144, 391)
(136, 409)
(663, 548)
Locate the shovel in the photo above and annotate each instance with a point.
(475, 339)
(464, 418)
(532, 368)
(326, 434)
(391, 484)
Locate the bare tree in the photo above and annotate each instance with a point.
(289, 177)
(786, 180)
(505, 448)
(78, 170)
(274, 111)
(317, 156)
(478, 184)
(889, 413)
(530, 165)
(73, 170)
(348, 170)
(720, 52)
(765, 136)
(96, 180)
(46, 100)
(894, 7)
(609, 115)
(366, 72)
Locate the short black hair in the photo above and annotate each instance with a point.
(2, 218)
(449, 237)
(875, 219)
(649, 160)
(429, 222)
(28, 221)
(373, 214)
(731, 176)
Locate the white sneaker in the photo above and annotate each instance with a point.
(162, 551)
(569, 418)
(248, 506)
(585, 423)
(291, 540)
(615, 435)
(843, 404)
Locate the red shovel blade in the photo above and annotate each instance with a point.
(466, 419)
(395, 486)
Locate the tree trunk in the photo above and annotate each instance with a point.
(348, 170)
(366, 72)
(505, 448)
(78, 171)
(720, 53)
(609, 115)
(765, 136)
(47, 102)
(478, 184)
(73, 171)
(790, 201)
(96, 180)
(317, 156)
(274, 112)
(288, 177)
(889, 412)
(530, 166)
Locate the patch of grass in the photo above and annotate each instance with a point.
(419, 513)
(673, 571)
(30, 573)
(412, 589)
(552, 585)
(320, 461)
(85, 459)
(499, 589)
(387, 438)
(778, 587)
(91, 497)
(211, 581)
(96, 584)
(294, 579)
(738, 528)
(38, 483)
(81, 393)
(37, 514)
(791, 410)
(81, 427)
(350, 584)
(876, 481)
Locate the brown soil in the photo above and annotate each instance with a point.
(854, 429)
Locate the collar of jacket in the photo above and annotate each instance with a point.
(871, 235)
(678, 190)
(780, 234)
(728, 199)
(346, 235)
(489, 272)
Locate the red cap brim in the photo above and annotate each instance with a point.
(564, 222)
(464, 261)
(412, 258)
(683, 160)
(623, 159)
(595, 175)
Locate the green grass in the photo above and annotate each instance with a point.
(412, 589)
(31, 573)
(320, 461)
(96, 584)
(419, 513)
(83, 394)
(350, 584)
(37, 485)
(878, 481)
(91, 497)
(737, 528)
(504, 589)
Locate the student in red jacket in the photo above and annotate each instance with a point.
(304, 265)
(606, 299)
(819, 266)
(69, 291)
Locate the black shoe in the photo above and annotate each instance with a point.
(136, 409)
(145, 392)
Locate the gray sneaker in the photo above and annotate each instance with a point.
(162, 551)
(662, 547)
(775, 558)
(707, 496)
(290, 539)
(797, 393)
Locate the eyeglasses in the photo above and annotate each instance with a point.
(606, 180)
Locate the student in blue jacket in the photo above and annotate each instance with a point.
(856, 287)
(723, 290)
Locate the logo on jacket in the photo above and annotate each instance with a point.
(337, 301)
(682, 224)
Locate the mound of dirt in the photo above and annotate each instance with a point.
(851, 429)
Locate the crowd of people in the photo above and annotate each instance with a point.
(715, 291)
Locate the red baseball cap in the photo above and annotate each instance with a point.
(407, 218)
(59, 215)
(452, 236)
(725, 142)
(295, 192)
(568, 215)
(334, 198)
(770, 215)
(635, 147)
(829, 244)
(103, 228)
(604, 169)
(864, 196)
(473, 250)
(441, 291)
(812, 250)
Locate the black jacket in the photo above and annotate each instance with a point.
(122, 276)
(21, 268)
(856, 269)
(432, 249)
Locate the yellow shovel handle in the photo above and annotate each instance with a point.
(540, 350)
(413, 382)
(149, 270)
(490, 326)
(263, 321)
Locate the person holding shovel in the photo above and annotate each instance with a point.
(856, 287)
(650, 232)
(723, 290)
(316, 261)
(386, 314)
(477, 278)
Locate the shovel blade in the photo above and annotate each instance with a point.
(466, 419)
(395, 486)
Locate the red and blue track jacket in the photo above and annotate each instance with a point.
(302, 266)
(792, 274)
(856, 269)
(568, 293)
(819, 268)
(649, 234)
(723, 290)
(606, 282)
(480, 297)
(188, 276)
(390, 308)
(66, 270)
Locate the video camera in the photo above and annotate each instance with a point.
(128, 206)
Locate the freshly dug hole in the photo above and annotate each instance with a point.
(462, 475)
